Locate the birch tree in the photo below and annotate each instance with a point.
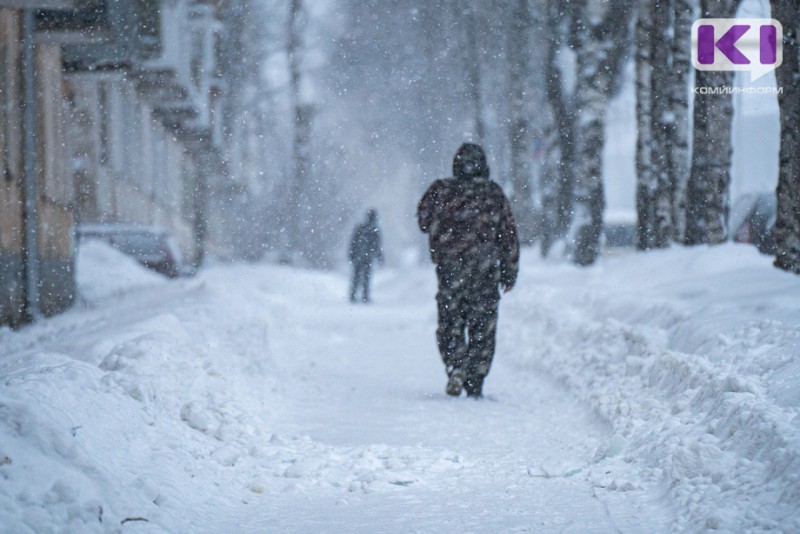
(662, 67)
(298, 209)
(708, 190)
(787, 225)
(645, 187)
(521, 91)
(468, 30)
(684, 14)
(558, 177)
(603, 34)
(474, 69)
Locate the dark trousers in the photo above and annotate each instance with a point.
(467, 304)
(361, 273)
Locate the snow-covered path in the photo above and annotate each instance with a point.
(651, 393)
(257, 399)
(369, 376)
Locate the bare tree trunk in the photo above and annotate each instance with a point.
(787, 225)
(520, 134)
(707, 201)
(548, 184)
(684, 14)
(708, 190)
(645, 183)
(662, 123)
(663, 31)
(601, 49)
(474, 70)
(434, 51)
(298, 216)
(559, 178)
(589, 197)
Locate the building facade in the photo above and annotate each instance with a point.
(36, 193)
(124, 124)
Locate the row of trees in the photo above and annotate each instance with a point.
(787, 226)
(681, 197)
(682, 193)
(290, 207)
(597, 34)
(690, 205)
(371, 87)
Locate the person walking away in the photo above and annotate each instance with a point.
(365, 247)
(473, 242)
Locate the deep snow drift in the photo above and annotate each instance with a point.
(652, 392)
(692, 356)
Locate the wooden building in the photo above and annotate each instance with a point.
(123, 126)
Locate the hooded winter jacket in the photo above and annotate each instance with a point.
(468, 217)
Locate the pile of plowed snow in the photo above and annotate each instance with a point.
(691, 354)
(103, 271)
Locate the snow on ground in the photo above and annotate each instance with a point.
(651, 393)
(104, 272)
(692, 356)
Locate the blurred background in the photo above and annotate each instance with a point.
(191, 131)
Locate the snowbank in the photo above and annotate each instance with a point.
(103, 272)
(166, 405)
(152, 410)
(692, 356)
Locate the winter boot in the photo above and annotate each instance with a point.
(474, 387)
(455, 383)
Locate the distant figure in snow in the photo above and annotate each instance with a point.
(365, 247)
(473, 242)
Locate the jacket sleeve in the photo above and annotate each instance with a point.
(426, 209)
(508, 245)
(352, 249)
(375, 244)
(378, 246)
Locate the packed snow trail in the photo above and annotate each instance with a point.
(257, 399)
(651, 393)
(369, 378)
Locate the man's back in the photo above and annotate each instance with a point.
(365, 245)
(470, 219)
(473, 241)
(465, 219)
